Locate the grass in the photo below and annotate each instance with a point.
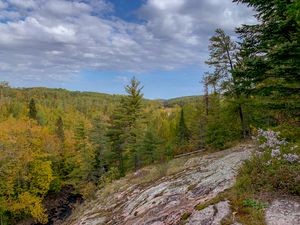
(247, 201)
(260, 180)
(184, 218)
(254, 204)
(240, 212)
(143, 178)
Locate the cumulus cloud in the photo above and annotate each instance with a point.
(42, 40)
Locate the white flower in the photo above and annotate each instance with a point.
(294, 147)
(291, 157)
(275, 152)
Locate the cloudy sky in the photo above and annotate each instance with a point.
(97, 45)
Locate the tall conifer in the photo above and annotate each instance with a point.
(32, 114)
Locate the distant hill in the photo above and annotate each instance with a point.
(182, 100)
(96, 97)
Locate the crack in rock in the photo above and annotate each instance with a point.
(211, 215)
(165, 201)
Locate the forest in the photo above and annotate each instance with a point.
(55, 138)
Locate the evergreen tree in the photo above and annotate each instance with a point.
(150, 145)
(271, 55)
(3, 87)
(223, 58)
(98, 138)
(133, 107)
(183, 134)
(60, 129)
(125, 129)
(80, 134)
(222, 52)
(84, 156)
(32, 114)
(206, 94)
(116, 135)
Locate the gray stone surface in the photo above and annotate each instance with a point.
(165, 201)
(283, 212)
(212, 215)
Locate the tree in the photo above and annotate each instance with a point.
(60, 129)
(116, 135)
(124, 131)
(271, 49)
(98, 138)
(25, 170)
(3, 87)
(150, 144)
(222, 52)
(83, 158)
(223, 58)
(32, 114)
(133, 106)
(206, 94)
(182, 134)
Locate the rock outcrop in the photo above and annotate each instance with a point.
(283, 211)
(211, 215)
(168, 199)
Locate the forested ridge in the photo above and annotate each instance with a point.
(54, 138)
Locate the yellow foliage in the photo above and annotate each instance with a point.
(40, 177)
(25, 168)
(32, 205)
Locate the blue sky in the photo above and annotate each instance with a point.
(98, 45)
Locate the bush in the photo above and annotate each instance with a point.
(275, 168)
(108, 177)
(162, 169)
(254, 204)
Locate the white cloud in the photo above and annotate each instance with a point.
(24, 4)
(122, 79)
(57, 39)
(3, 5)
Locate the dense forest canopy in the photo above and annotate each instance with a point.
(52, 138)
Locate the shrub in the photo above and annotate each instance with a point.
(108, 177)
(254, 204)
(162, 169)
(276, 167)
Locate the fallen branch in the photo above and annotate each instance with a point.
(189, 153)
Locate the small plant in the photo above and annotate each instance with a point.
(162, 169)
(280, 149)
(275, 167)
(108, 177)
(254, 204)
(185, 216)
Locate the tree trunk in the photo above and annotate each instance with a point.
(206, 98)
(241, 114)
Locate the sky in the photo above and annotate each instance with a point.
(98, 45)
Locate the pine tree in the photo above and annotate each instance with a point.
(84, 155)
(270, 53)
(133, 106)
(223, 58)
(98, 138)
(32, 110)
(60, 129)
(116, 135)
(222, 52)
(150, 145)
(3, 87)
(183, 134)
(125, 130)
(206, 94)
